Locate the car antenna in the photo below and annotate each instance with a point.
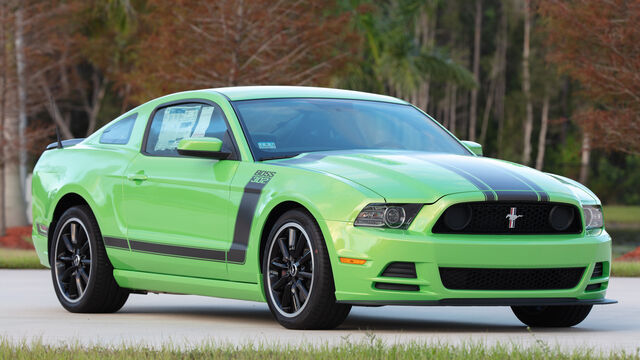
(58, 137)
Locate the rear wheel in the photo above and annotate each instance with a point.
(81, 272)
(297, 277)
(552, 316)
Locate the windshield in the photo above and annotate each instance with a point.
(279, 128)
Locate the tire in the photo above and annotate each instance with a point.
(81, 272)
(306, 270)
(552, 316)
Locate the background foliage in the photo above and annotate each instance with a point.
(549, 83)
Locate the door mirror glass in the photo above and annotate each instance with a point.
(207, 147)
(473, 146)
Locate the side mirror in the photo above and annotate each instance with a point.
(202, 147)
(474, 147)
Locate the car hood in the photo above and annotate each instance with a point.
(407, 176)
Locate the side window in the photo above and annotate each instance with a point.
(174, 123)
(120, 132)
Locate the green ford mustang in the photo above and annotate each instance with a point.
(313, 200)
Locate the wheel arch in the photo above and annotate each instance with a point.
(276, 211)
(271, 219)
(65, 202)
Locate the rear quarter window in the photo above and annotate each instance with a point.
(120, 132)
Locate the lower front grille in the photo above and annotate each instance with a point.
(598, 270)
(401, 270)
(397, 287)
(510, 279)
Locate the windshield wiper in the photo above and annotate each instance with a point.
(279, 157)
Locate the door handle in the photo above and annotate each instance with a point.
(137, 177)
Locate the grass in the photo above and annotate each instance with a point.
(626, 269)
(369, 348)
(622, 214)
(19, 259)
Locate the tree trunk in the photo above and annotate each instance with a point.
(54, 110)
(3, 103)
(502, 75)
(476, 71)
(446, 120)
(487, 110)
(585, 159)
(526, 85)
(542, 138)
(15, 214)
(452, 110)
(22, 96)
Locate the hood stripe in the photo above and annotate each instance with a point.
(507, 185)
(489, 195)
(544, 196)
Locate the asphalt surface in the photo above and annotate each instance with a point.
(29, 311)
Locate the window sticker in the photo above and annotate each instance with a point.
(267, 145)
(176, 125)
(203, 122)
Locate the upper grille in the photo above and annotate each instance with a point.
(510, 279)
(491, 218)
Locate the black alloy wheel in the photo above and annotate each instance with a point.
(80, 269)
(290, 269)
(72, 258)
(297, 277)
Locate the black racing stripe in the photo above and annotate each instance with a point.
(238, 251)
(173, 250)
(497, 178)
(488, 193)
(544, 196)
(246, 212)
(517, 195)
(115, 242)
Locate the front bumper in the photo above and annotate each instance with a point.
(355, 284)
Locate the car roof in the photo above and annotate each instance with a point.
(238, 93)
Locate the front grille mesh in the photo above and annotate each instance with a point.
(510, 279)
(400, 270)
(396, 287)
(491, 218)
(598, 270)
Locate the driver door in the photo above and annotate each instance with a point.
(177, 207)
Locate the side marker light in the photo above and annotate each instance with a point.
(352, 261)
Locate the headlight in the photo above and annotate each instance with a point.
(593, 216)
(394, 216)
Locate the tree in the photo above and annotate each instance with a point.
(526, 84)
(228, 43)
(476, 70)
(4, 68)
(597, 43)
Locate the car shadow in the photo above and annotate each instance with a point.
(426, 325)
(261, 316)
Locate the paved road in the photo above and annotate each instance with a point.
(29, 310)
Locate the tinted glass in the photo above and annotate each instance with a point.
(120, 132)
(284, 127)
(174, 123)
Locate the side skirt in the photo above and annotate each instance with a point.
(152, 282)
(487, 302)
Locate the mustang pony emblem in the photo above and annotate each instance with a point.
(513, 217)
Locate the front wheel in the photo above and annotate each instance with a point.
(81, 272)
(552, 316)
(297, 277)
